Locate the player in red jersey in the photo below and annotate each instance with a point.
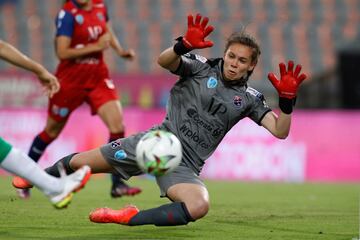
(83, 32)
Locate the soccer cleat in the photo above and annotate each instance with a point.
(108, 215)
(23, 187)
(123, 190)
(23, 193)
(72, 183)
(21, 183)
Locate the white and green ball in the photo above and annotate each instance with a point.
(158, 152)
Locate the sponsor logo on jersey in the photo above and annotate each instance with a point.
(257, 94)
(237, 101)
(200, 58)
(115, 144)
(94, 32)
(203, 123)
(212, 82)
(120, 155)
(254, 92)
(192, 135)
(79, 19)
(90, 61)
(61, 111)
(100, 16)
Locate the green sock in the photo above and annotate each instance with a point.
(5, 148)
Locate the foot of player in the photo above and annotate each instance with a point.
(71, 183)
(108, 215)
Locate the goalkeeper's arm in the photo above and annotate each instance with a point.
(194, 38)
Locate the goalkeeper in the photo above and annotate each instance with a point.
(210, 97)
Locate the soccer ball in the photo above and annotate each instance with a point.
(158, 152)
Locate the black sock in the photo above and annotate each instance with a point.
(39, 145)
(53, 170)
(171, 214)
(117, 181)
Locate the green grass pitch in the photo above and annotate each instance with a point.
(238, 210)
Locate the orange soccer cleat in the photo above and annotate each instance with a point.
(108, 215)
(21, 183)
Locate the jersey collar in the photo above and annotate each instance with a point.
(76, 4)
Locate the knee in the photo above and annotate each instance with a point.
(198, 208)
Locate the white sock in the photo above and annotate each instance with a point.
(21, 165)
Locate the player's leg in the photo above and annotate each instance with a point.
(105, 159)
(37, 148)
(58, 190)
(92, 158)
(175, 213)
(14, 161)
(41, 141)
(59, 109)
(51, 131)
(111, 114)
(118, 187)
(190, 202)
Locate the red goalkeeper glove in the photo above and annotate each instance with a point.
(195, 35)
(288, 85)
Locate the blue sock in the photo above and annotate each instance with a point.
(39, 145)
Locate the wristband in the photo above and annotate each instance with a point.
(180, 48)
(286, 105)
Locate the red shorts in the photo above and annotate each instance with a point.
(72, 96)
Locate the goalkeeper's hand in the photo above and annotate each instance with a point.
(197, 32)
(288, 85)
(195, 35)
(289, 82)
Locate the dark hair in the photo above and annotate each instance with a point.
(247, 40)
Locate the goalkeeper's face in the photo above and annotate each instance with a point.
(237, 62)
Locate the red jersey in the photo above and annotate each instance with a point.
(83, 79)
(83, 27)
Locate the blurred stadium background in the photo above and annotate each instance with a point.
(322, 35)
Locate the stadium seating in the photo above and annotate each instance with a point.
(308, 31)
